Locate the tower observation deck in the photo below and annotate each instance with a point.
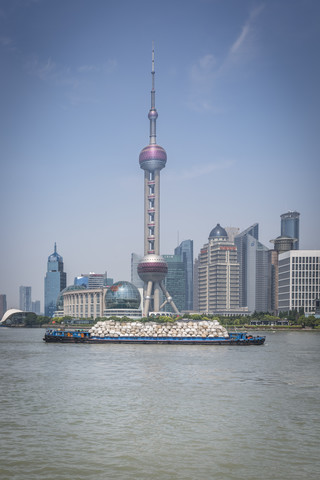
(152, 269)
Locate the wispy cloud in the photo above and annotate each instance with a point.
(108, 67)
(42, 69)
(243, 45)
(76, 79)
(206, 169)
(207, 69)
(8, 43)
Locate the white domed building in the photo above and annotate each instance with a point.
(122, 299)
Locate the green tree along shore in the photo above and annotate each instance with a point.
(295, 319)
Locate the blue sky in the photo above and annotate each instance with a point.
(237, 92)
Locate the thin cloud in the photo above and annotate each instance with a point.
(206, 169)
(206, 70)
(47, 70)
(43, 70)
(239, 42)
(8, 43)
(108, 67)
(243, 45)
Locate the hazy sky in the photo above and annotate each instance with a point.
(237, 92)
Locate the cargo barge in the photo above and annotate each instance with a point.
(65, 336)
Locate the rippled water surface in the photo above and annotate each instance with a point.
(160, 412)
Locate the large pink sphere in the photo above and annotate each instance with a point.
(153, 157)
(152, 268)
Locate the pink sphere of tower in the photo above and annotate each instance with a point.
(152, 157)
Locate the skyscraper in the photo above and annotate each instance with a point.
(175, 280)
(185, 250)
(152, 269)
(254, 263)
(54, 282)
(3, 305)
(35, 307)
(25, 303)
(135, 279)
(290, 227)
(218, 274)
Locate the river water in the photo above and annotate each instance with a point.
(160, 412)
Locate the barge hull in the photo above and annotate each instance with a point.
(155, 340)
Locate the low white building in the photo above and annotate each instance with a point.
(120, 299)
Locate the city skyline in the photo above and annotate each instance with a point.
(237, 91)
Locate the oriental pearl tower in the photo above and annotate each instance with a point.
(152, 269)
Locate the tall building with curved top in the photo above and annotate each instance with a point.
(152, 269)
(218, 275)
(55, 281)
(290, 227)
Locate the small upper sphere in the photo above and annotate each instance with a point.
(153, 157)
(152, 268)
(218, 232)
(153, 114)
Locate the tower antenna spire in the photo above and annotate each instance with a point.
(153, 114)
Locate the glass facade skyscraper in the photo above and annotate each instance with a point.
(290, 227)
(54, 282)
(175, 282)
(253, 258)
(3, 305)
(25, 299)
(185, 250)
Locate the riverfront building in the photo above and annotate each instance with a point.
(35, 307)
(54, 282)
(3, 305)
(218, 275)
(121, 299)
(135, 279)
(175, 281)
(254, 261)
(185, 250)
(299, 280)
(290, 227)
(25, 302)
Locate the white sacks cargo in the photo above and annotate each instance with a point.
(190, 328)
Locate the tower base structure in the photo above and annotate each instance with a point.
(152, 298)
(152, 269)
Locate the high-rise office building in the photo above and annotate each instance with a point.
(54, 282)
(290, 227)
(218, 275)
(152, 269)
(196, 285)
(185, 250)
(25, 303)
(135, 279)
(175, 280)
(255, 273)
(299, 280)
(35, 307)
(3, 305)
